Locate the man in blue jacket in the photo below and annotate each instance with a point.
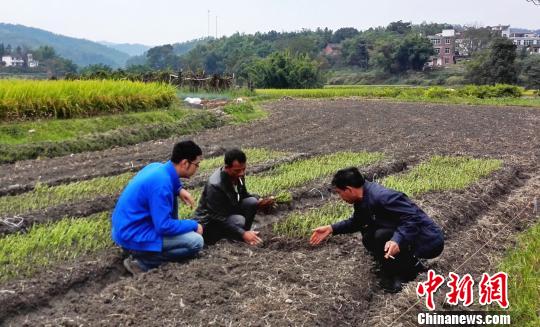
(145, 221)
(394, 229)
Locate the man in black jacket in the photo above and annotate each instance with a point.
(226, 209)
(394, 229)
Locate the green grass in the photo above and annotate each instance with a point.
(244, 112)
(442, 173)
(56, 130)
(523, 267)
(471, 95)
(30, 99)
(44, 245)
(437, 174)
(44, 196)
(279, 180)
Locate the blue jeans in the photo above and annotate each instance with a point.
(175, 248)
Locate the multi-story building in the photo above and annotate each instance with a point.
(529, 41)
(444, 44)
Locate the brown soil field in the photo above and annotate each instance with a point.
(286, 282)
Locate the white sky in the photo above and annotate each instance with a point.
(168, 21)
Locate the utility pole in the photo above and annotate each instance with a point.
(208, 23)
(216, 27)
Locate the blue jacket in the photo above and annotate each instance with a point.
(386, 208)
(147, 210)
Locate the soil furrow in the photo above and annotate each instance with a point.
(401, 129)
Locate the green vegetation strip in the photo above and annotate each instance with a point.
(279, 180)
(437, 174)
(27, 99)
(56, 130)
(44, 196)
(128, 135)
(475, 95)
(22, 255)
(523, 267)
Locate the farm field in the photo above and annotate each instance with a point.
(474, 169)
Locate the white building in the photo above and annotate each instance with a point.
(31, 62)
(12, 61)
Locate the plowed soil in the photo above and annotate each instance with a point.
(286, 282)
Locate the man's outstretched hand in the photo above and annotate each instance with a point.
(320, 234)
(252, 238)
(266, 204)
(186, 197)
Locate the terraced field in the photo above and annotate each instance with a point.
(474, 169)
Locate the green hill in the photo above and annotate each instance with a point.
(80, 51)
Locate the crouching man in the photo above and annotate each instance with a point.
(145, 220)
(226, 209)
(394, 229)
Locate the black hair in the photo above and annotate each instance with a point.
(234, 155)
(185, 150)
(348, 177)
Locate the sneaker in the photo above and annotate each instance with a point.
(133, 266)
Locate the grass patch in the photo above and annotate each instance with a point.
(44, 196)
(442, 173)
(284, 177)
(127, 135)
(30, 99)
(523, 267)
(44, 245)
(505, 95)
(56, 130)
(437, 174)
(244, 112)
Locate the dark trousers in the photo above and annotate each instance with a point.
(405, 261)
(243, 219)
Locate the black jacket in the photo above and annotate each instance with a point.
(220, 200)
(385, 208)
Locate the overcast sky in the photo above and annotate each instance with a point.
(158, 22)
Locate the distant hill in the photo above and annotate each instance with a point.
(80, 51)
(132, 49)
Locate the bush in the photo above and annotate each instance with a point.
(436, 92)
(487, 91)
(238, 108)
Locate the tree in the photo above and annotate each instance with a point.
(162, 57)
(344, 33)
(399, 27)
(2, 49)
(355, 52)
(283, 70)
(45, 53)
(495, 65)
(530, 72)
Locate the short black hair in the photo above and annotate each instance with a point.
(185, 150)
(234, 155)
(348, 177)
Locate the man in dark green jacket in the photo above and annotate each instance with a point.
(226, 209)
